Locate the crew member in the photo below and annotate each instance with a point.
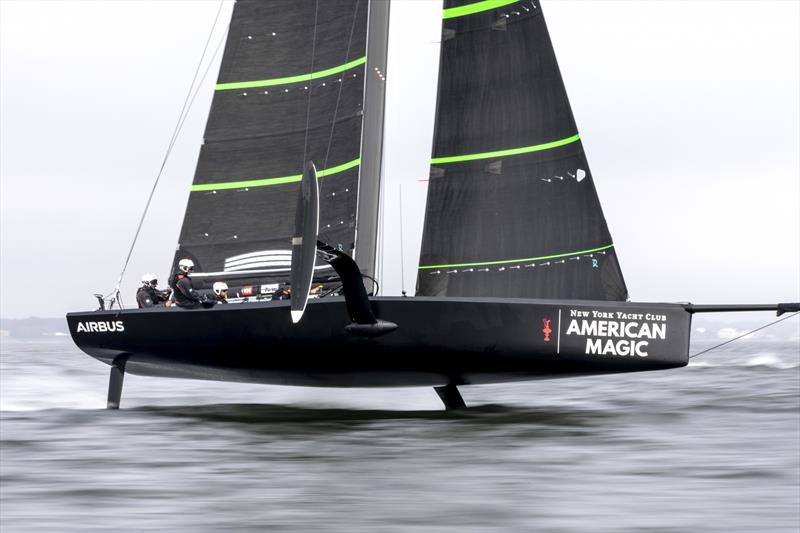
(283, 293)
(183, 291)
(221, 292)
(148, 294)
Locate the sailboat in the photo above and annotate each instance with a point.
(518, 278)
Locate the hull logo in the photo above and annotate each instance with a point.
(105, 326)
(619, 333)
(547, 331)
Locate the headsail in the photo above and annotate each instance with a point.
(512, 210)
(290, 89)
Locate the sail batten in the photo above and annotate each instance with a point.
(265, 182)
(588, 252)
(475, 7)
(506, 152)
(291, 79)
(512, 210)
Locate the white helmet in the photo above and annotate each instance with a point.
(220, 287)
(186, 265)
(147, 278)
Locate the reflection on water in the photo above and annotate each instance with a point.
(712, 447)
(256, 414)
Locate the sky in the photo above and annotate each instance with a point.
(689, 113)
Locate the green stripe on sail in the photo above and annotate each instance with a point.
(508, 261)
(273, 181)
(291, 79)
(503, 153)
(475, 7)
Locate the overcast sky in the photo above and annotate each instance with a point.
(689, 113)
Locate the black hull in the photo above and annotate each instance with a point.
(438, 341)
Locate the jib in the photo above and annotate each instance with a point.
(101, 327)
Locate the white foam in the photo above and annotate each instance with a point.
(32, 393)
(769, 360)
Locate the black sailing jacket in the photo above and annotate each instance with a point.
(147, 296)
(184, 293)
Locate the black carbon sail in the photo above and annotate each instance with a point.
(290, 89)
(512, 209)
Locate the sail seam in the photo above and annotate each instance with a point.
(507, 261)
(504, 153)
(477, 7)
(291, 79)
(265, 182)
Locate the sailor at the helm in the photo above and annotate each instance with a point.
(148, 294)
(221, 292)
(181, 283)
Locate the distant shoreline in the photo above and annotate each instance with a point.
(33, 328)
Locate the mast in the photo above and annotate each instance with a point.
(512, 209)
(371, 172)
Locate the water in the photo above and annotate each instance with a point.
(711, 447)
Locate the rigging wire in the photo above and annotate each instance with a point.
(381, 236)
(376, 287)
(202, 79)
(744, 335)
(308, 100)
(179, 124)
(341, 84)
(402, 268)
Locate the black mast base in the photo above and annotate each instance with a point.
(450, 397)
(115, 380)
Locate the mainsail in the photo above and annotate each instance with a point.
(512, 209)
(291, 88)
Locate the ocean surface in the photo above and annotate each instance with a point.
(711, 447)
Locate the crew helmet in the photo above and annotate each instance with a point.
(185, 265)
(220, 287)
(149, 279)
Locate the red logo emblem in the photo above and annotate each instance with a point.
(547, 331)
(247, 290)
